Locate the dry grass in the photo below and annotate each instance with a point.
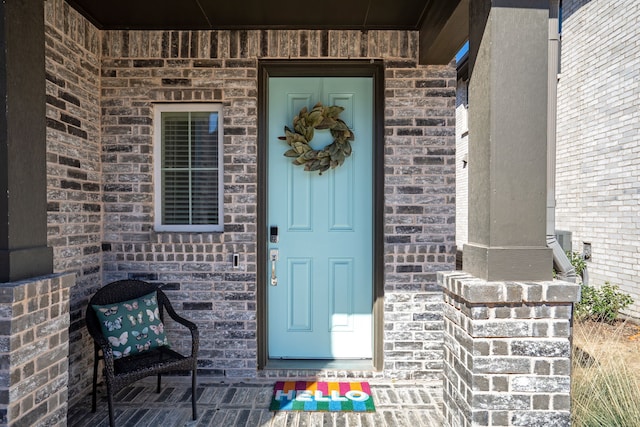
(606, 375)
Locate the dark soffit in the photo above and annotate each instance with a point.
(255, 14)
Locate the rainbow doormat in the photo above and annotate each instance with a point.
(322, 396)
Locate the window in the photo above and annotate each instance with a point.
(188, 167)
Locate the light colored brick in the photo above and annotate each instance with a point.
(598, 178)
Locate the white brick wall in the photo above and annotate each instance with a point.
(598, 176)
(462, 172)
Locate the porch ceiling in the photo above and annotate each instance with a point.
(436, 20)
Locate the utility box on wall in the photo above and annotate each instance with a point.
(564, 239)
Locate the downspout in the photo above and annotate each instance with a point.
(562, 265)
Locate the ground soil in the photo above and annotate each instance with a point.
(604, 342)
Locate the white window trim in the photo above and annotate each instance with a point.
(157, 163)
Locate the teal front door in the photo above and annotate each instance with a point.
(320, 266)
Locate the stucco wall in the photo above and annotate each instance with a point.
(598, 178)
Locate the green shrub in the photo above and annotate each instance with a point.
(577, 261)
(602, 304)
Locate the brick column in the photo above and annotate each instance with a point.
(507, 352)
(507, 324)
(34, 350)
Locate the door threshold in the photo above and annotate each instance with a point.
(320, 364)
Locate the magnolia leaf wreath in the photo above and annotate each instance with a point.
(304, 125)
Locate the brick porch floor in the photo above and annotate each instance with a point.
(398, 403)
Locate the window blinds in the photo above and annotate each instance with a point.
(190, 184)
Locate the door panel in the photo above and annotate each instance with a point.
(341, 294)
(321, 307)
(300, 295)
(341, 214)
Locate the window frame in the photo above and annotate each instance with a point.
(159, 109)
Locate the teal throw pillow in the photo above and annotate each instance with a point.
(132, 326)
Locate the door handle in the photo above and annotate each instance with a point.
(273, 255)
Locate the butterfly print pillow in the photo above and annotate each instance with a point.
(133, 326)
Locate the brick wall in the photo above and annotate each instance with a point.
(598, 178)
(419, 213)
(33, 352)
(140, 68)
(100, 90)
(462, 173)
(73, 167)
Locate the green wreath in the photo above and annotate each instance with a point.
(304, 125)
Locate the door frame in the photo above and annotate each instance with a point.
(321, 68)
